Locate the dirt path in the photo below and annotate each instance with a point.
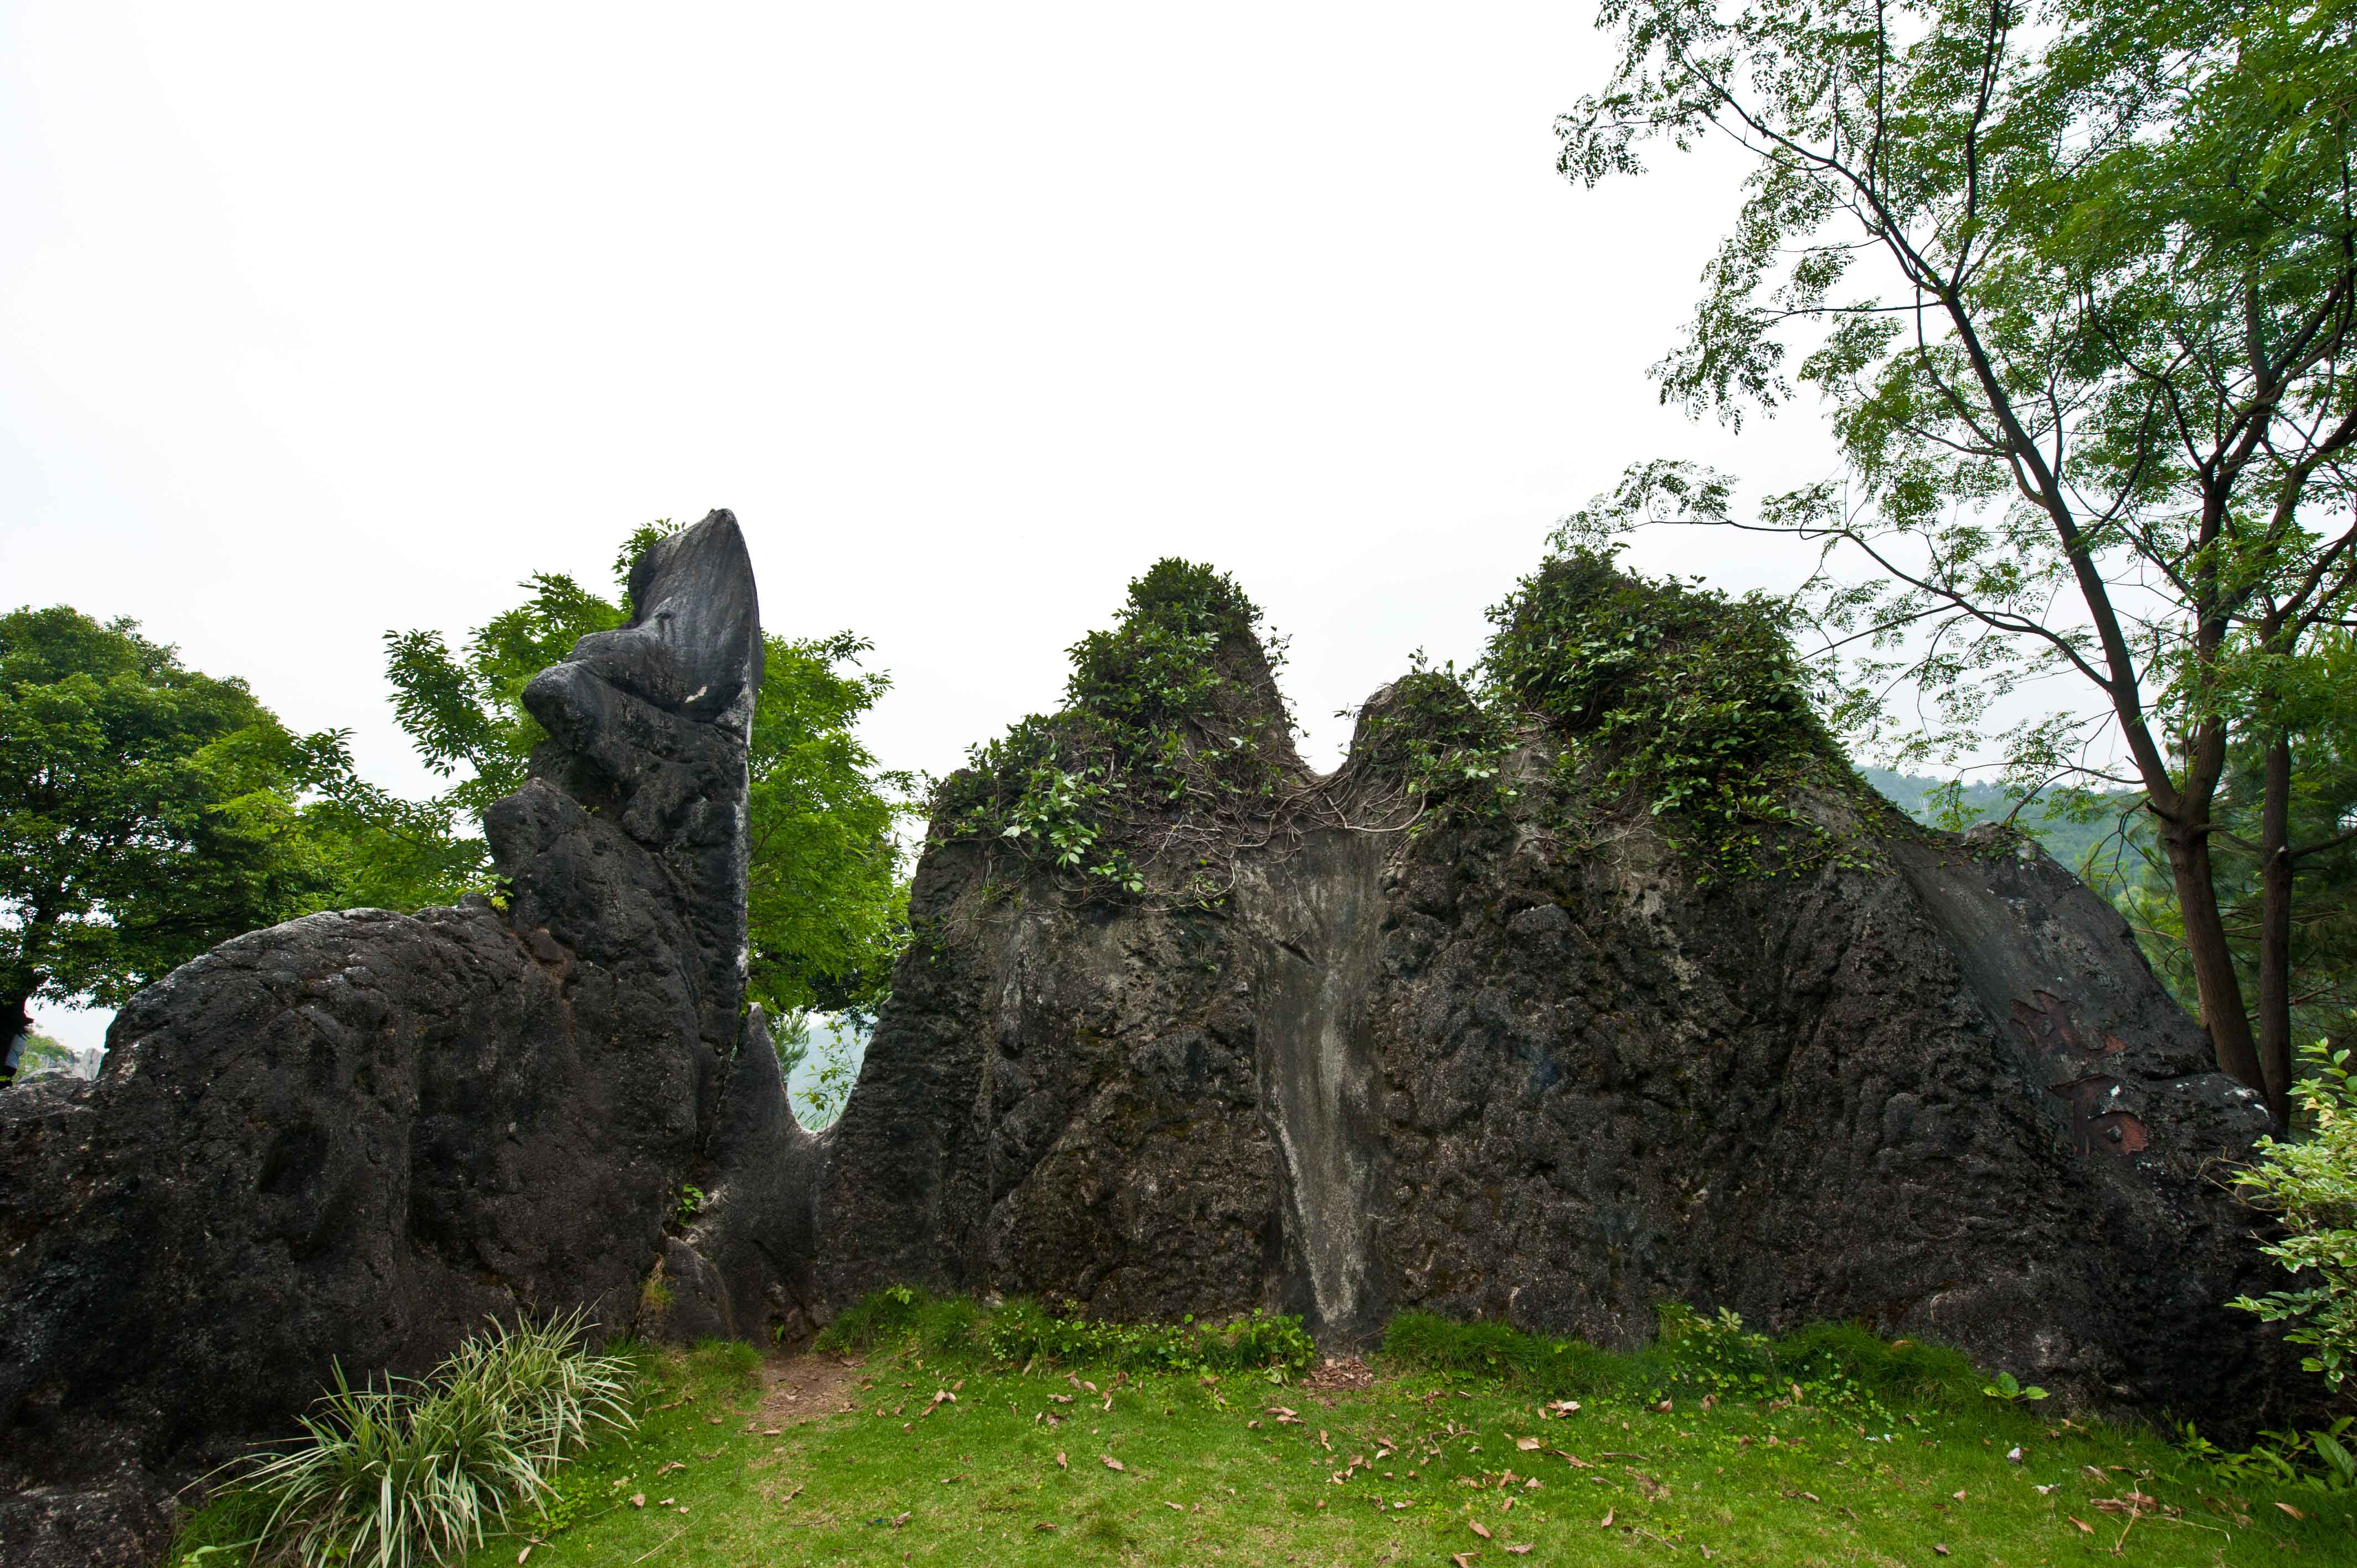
(796, 1389)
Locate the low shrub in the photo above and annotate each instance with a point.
(2311, 1186)
(424, 1469)
(1022, 1332)
(1833, 1365)
(1497, 1352)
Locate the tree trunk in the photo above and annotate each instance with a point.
(2188, 846)
(2274, 931)
(15, 1022)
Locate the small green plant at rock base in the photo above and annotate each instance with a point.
(691, 1203)
(2006, 1389)
(2312, 1186)
(2320, 1460)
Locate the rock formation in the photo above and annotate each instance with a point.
(1533, 1060)
(346, 1139)
(1472, 1025)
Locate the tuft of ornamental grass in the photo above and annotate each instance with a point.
(423, 1468)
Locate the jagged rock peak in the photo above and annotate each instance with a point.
(693, 641)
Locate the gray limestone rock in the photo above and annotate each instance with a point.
(1485, 1071)
(347, 1139)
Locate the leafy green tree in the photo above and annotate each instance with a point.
(827, 903)
(147, 811)
(2078, 283)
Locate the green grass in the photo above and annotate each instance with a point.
(1210, 1473)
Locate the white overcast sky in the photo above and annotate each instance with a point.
(319, 320)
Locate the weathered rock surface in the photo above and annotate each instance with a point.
(1493, 1067)
(346, 1139)
(1932, 1084)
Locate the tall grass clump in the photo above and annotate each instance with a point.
(423, 1468)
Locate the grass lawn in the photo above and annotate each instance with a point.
(892, 1456)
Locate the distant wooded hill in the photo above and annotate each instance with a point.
(2066, 841)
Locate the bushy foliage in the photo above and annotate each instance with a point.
(1671, 696)
(147, 811)
(1172, 733)
(1449, 750)
(409, 1471)
(2311, 1184)
(1024, 1334)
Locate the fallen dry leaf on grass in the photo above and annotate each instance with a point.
(638, 1499)
(1940, 1548)
(1518, 1550)
(1059, 1462)
(1526, 1445)
(1462, 1559)
(2084, 1528)
(1607, 1520)
(1958, 1495)
(1110, 1463)
(2291, 1510)
(1480, 1528)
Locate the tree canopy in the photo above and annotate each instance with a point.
(827, 904)
(147, 810)
(2077, 284)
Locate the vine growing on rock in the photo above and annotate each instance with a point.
(1676, 698)
(1451, 753)
(1172, 751)
(1658, 700)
